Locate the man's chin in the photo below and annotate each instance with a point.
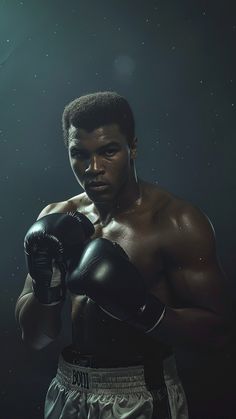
(99, 197)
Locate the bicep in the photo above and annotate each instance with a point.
(200, 286)
(193, 268)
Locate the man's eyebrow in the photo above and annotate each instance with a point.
(78, 145)
(109, 144)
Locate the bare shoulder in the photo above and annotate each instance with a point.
(75, 203)
(186, 217)
(186, 230)
(177, 217)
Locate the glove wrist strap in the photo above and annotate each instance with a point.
(150, 315)
(49, 295)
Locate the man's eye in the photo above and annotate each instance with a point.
(110, 152)
(78, 155)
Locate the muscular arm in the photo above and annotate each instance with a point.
(40, 324)
(195, 276)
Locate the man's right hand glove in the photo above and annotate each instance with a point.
(50, 244)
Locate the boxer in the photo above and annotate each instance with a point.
(140, 267)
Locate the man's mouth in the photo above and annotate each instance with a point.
(97, 186)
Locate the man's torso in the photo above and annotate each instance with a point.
(143, 231)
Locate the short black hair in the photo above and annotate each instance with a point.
(94, 110)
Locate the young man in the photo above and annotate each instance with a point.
(141, 269)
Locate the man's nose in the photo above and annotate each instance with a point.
(94, 165)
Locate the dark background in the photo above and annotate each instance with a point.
(175, 63)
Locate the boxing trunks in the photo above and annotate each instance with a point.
(80, 391)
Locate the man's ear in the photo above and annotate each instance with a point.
(133, 148)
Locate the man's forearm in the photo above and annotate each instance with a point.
(40, 324)
(192, 326)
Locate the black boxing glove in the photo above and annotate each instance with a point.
(50, 244)
(105, 274)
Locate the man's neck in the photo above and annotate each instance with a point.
(128, 198)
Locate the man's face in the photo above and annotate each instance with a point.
(100, 161)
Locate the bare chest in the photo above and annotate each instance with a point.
(142, 245)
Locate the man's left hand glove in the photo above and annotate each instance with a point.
(105, 274)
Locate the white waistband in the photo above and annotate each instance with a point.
(86, 378)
